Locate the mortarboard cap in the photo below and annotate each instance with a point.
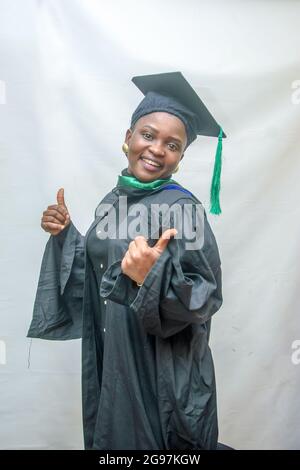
(171, 92)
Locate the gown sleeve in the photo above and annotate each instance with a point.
(182, 287)
(57, 312)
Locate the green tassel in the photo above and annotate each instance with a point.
(215, 207)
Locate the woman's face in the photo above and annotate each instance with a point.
(156, 146)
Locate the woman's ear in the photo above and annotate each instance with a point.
(128, 136)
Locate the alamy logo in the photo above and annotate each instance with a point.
(147, 221)
(296, 354)
(2, 92)
(296, 94)
(2, 352)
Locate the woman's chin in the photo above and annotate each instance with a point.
(144, 176)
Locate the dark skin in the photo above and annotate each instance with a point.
(160, 137)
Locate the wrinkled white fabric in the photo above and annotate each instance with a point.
(65, 103)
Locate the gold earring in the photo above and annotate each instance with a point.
(125, 148)
(176, 169)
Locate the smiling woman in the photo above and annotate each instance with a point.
(155, 146)
(141, 304)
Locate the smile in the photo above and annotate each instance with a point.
(151, 162)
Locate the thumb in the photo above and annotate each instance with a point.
(163, 241)
(60, 197)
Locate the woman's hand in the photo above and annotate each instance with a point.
(140, 257)
(56, 217)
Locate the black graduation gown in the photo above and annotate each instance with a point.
(147, 371)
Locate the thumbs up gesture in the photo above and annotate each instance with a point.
(56, 217)
(140, 257)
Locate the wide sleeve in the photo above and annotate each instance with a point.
(57, 312)
(183, 286)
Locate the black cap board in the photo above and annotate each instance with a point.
(174, 85)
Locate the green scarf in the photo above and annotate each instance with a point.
(133, 182)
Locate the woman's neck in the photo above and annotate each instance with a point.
(128, 172)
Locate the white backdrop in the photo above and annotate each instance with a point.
(65, 104)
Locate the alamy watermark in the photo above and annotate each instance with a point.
(2, 352)
(2, 92)
(295, 358)
(149, 221)
(295, 98)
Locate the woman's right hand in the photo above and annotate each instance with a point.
(56, 217)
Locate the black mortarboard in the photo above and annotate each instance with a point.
(171, 93)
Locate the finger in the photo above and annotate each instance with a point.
(126, 262)
(52, 226)
(54, 220)
(124, 265)
(141, 242)
(57, 215)
(133, 249)
(60, 197)
(165, 238)
(63, 210)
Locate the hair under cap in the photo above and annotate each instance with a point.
(157, 102)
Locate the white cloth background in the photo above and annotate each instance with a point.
(65, 104)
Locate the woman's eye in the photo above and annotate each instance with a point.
(147, 135)
(173, 146)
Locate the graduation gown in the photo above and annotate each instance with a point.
(147, 371)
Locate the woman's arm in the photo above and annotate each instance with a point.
(183, 286)
(57, 312)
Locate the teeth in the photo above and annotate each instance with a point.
(150, 162)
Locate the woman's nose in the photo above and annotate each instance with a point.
(157, 149)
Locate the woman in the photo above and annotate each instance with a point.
(141, 303)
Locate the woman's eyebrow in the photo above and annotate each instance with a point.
(169, 137)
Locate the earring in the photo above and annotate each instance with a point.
(125, 148)
(176, 169)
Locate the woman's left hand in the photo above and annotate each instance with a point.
(140, 257)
